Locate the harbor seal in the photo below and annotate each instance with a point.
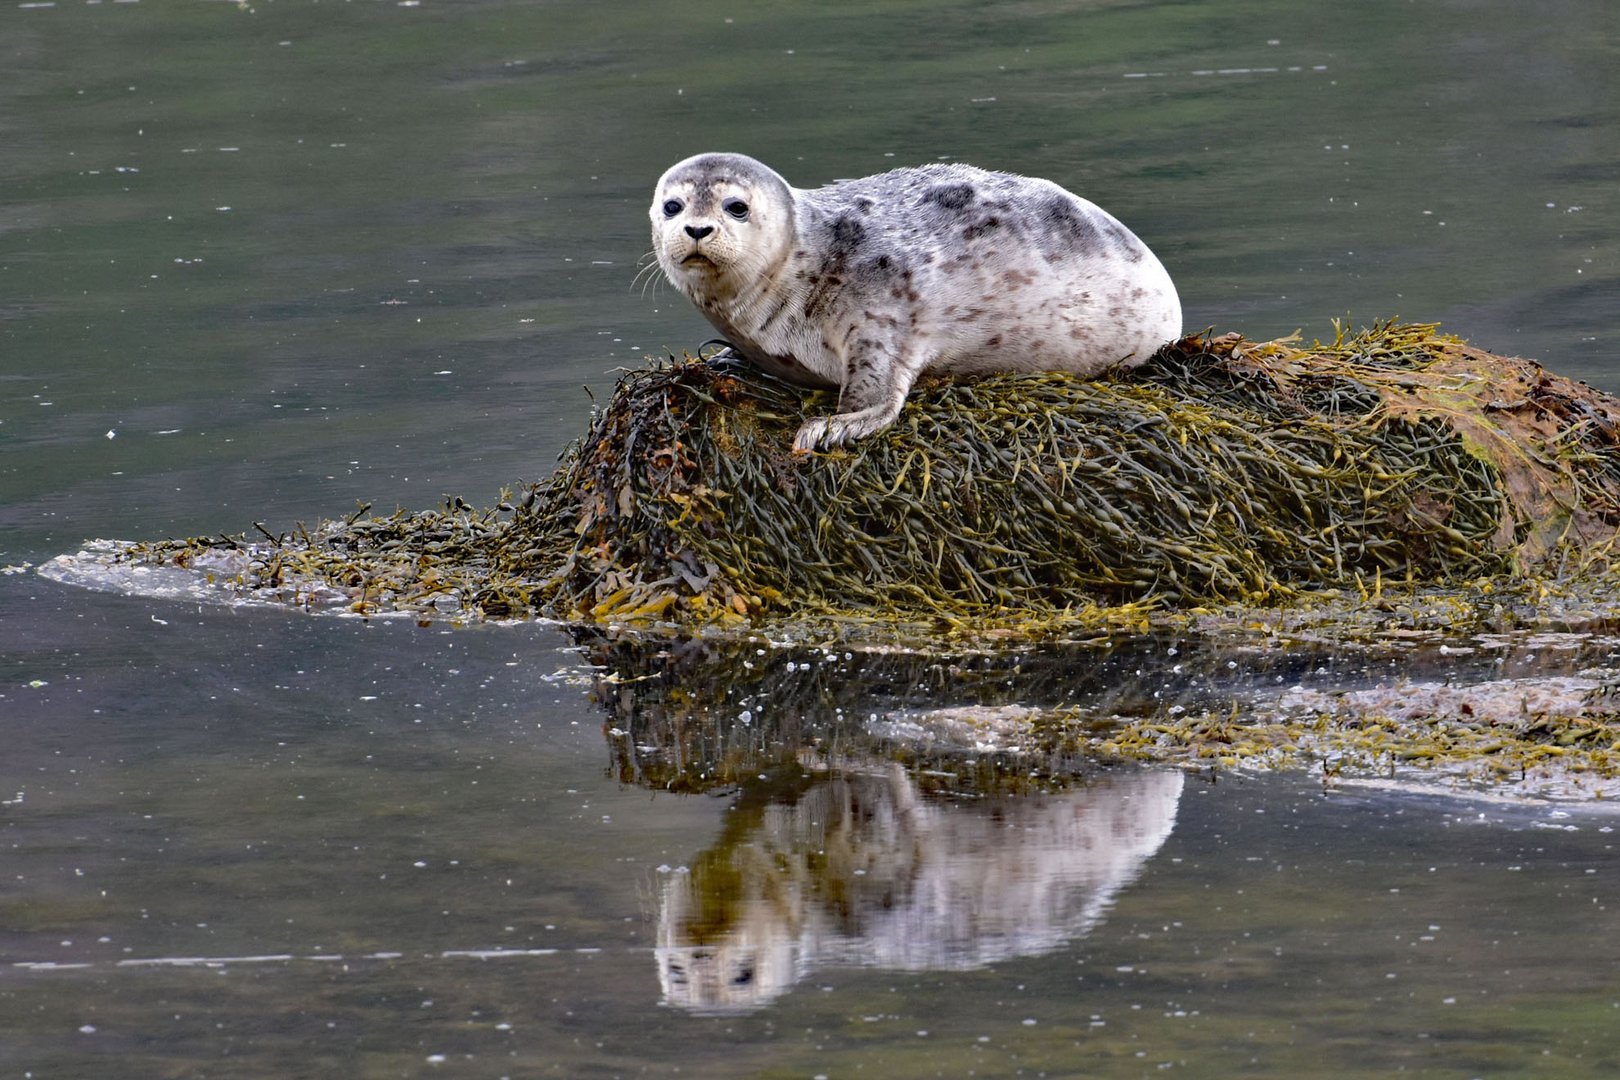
(863, 285)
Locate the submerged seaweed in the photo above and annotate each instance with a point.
(1533, 715)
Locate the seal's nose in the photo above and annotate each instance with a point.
(698, 232)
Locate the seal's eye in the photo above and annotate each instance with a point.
(736, 208)
(673, 207)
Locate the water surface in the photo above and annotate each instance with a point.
(262, 262)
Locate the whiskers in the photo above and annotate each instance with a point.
(649, 275)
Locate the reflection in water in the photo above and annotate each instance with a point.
(913, 811)
(889, 809)
(860, 869)
(696, 715)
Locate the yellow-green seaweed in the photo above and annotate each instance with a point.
(1224, 472)
(1393, 487)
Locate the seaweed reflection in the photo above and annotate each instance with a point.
(695, 715)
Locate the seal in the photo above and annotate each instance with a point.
(863, 285)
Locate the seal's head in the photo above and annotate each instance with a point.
(719, 223)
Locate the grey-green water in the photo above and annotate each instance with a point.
(259, 261)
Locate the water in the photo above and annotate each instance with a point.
(258, 262)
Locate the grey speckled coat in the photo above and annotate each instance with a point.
(865, 284)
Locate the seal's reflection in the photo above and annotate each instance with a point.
(859, 868)
(895, 809)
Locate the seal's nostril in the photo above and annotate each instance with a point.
(698, 232)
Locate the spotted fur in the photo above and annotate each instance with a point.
(865, 284)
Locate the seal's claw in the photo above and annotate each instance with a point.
(830, 432)
(810, 436)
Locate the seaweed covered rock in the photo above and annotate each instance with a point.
(1222, 471)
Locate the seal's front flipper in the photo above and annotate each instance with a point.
(875, 388)
(827, 432)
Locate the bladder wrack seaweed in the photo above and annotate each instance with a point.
(1224, 471)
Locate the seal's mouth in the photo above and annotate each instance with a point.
(697, 258)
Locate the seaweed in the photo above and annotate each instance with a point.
(1221, 472)
(1008, 556)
